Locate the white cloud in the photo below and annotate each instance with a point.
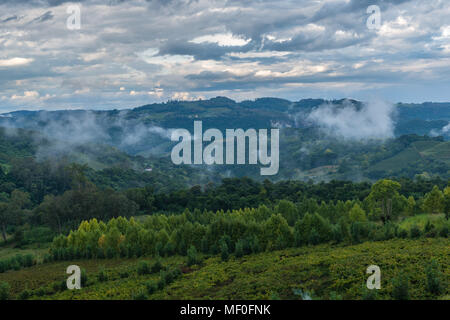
(222, 39)
(400, 27)
(372, 121)
(88, 57)
(27, 95)
(157, 92)
(259, 54)
(15, 62)
(185, 96)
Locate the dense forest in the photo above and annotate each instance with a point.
(37, 194)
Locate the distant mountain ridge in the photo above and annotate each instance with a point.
(219, 111)
(416, 144)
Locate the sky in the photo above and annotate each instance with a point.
(130, 53)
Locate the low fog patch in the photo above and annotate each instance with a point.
(371, 120)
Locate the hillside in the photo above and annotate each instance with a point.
(322, 272)
(34, 156)
(305, 153)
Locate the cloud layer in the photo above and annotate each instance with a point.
(133, 52)
(371, 121)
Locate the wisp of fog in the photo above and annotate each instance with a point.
(373, 120)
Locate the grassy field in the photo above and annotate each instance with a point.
(7, 251)
(323, 271)
(421, 220)
(419, 150)
(399, 161)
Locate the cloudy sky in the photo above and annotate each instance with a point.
(129, 53)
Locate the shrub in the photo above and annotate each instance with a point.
(402, 233)
(143, 268)
(17, 262)
(335, 296)
(444, 231)
(433, 233)
(161, 284)
(176, 272)
(355, 231)
(4, 291)
(48, 258)
(390, 230)
(204, 245)
(28, 260)
(141, 295)
(428, 226)
(314, 237)
(434, 284)
(84, 278)
(415, 232)
(15, 265)
(59, 286)
(337, 233)
(239, 249)
(111, 253)
(24, 295)
(430, 230)
(102, 275)
(40, 292)
(38, 235)
(224, 254)
(400, 287)
(152, 287)
(168, 276)
(253, 244)
(156, 267)
(369, 294)
(275, 296)
(192, 256)
(124, 274)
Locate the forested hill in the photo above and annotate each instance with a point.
(42, 166)
(319, 140)
(218, 112)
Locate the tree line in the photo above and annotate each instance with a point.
(61, 198)
(266, 227)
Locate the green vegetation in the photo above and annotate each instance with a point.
(178, 232)
(4, 291)
(322, 272)
(329, 242)
(17, 262)
(383, 214)
(401, 287)
(435, 283)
